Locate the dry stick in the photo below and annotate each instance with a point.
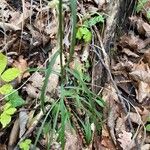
(105, 63)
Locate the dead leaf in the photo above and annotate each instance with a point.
(125, 140)
(143, 91)
(136, 118)
(37, 80)
(22, 65)
(132, 41)
(23, 118)
(145, 147)
(141, 72)
(146, 57)
(130, 53)
(142, 26)
(120, 125)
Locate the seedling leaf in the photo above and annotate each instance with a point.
(10, 111)
(15, 100)
(10, 74)
(148, 127)
(25, 145)
(3, 62)
(5, 119)
(6, 89)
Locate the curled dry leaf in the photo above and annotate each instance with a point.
(146, 57)
(121, 66)
(130, 53)
(37, 80)
(72, 142)
(133, 42)
(125, 140)
(145, 147)
(32, 91)
(143, 91)
(136, 118)
(142, 26)
(120, 125)
(22, 65)
(141, 72)
(23, 118)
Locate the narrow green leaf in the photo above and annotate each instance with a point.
(3, 62)
(10, 74)
(48, 72)
(6, 89)
(100, 103)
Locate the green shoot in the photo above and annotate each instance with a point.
(5, 117)
(48, 73)
(25, 145)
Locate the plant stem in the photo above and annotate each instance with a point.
(61, 40)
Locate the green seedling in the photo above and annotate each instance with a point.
(148, 125)
(84, 31)
(5, 117)
(140, 7)
(6, 76)
(25, 145)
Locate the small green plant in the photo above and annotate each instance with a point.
(13, 99)
(140, 7)
(6, 76)
(25, 145)
(5, 117)
(84, 31)
(148, 125)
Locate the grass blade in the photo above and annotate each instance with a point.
(73, 5)
(48, 72)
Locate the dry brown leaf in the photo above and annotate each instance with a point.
(125, 140)
(37, 80)
(23, 118)
(143, 91)
(132, 41)
(146, 57)
(107, 144)
(32, 91)
(141, 72)
(145, 147)
(135, 118)
(120, 125)
(22, 65)
(130, 53)
(72, 142)
(142, 26)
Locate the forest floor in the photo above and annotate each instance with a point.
(74, 74)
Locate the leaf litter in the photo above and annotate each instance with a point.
(32, 39)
